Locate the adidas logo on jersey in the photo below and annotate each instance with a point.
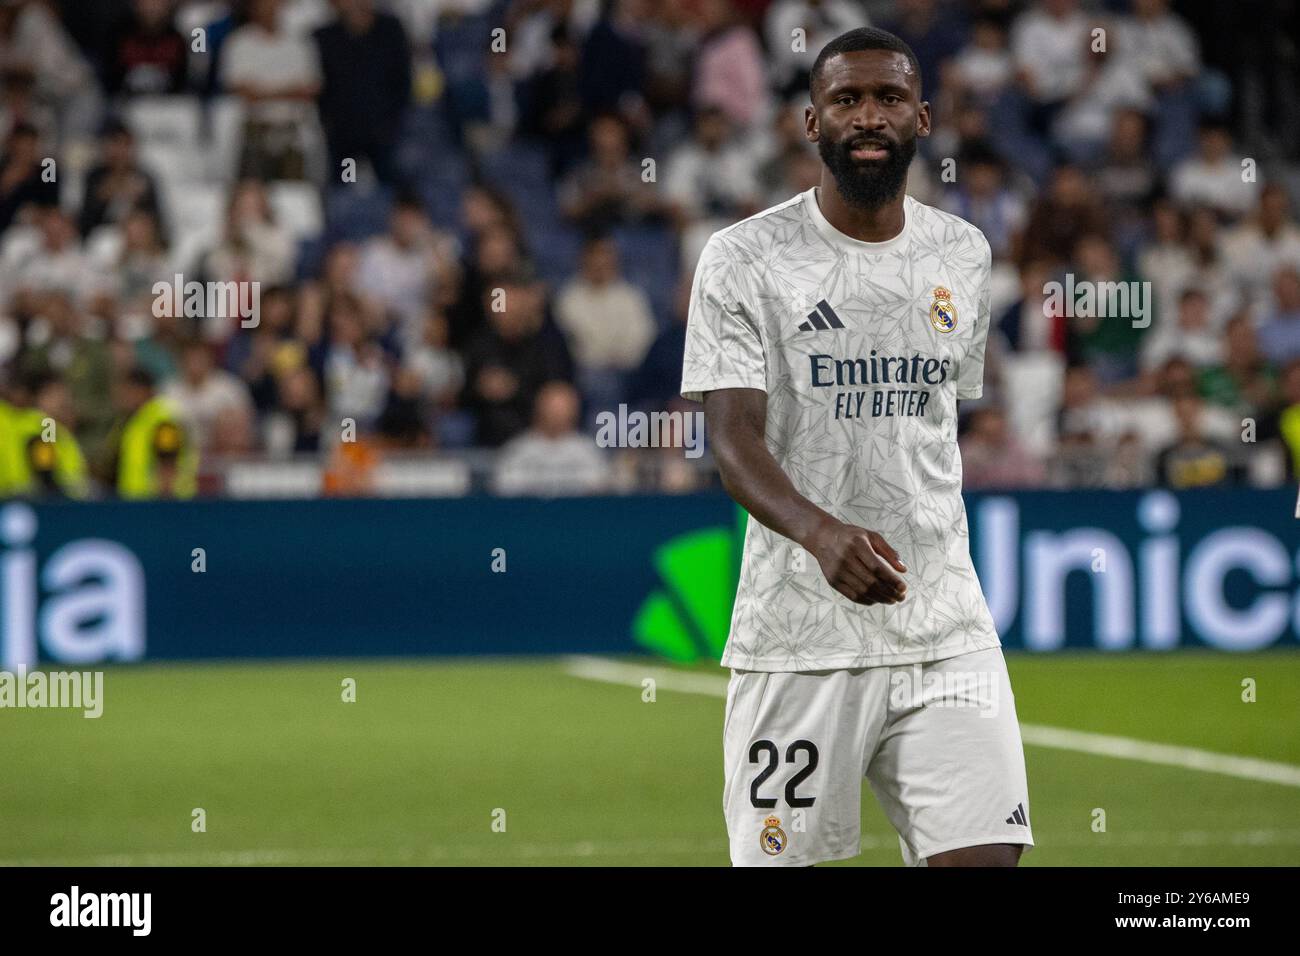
(821, 318)
(1018, 817)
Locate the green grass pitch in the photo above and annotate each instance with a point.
(417, 769)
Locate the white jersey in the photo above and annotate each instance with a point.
(863, 349)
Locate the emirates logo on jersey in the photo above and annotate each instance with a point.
(829, 371)
(856, 402)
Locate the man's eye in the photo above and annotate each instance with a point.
(891, 99)
(844, 99)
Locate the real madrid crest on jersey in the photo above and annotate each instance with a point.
(943, 314)
(772, 839)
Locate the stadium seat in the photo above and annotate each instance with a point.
(353, 214)
(455, 428)
(180, 164)
(441, 188)
(519, 165)
(175, 121)
(555, 249)
(311, 254)
(225, 137)
(648, 255)
(197, 215)
(169, 136)
(461, 48)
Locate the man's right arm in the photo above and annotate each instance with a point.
(857, 562)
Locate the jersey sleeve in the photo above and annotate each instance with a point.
(970, 374)
(724, 347)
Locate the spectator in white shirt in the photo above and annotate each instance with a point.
(984, 67)
(607, 321)
(1191, 336)
(205, 395)
(1049, 45)
(710, 176)
(140, 261)
(1214, 176)
(1166, 260)
(711, 181)
(1256, 249)
(1109, 82)
(57, 263)
(408, 268)
(1160, 44)
(356, 374)
(552, 457)
(277, 74)
(254, 247)
(1049, 42)
(1163, 48)
(440, 369)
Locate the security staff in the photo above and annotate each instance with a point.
(38, 456)
(153, 453)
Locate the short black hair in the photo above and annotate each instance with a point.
(980, 152)
(408, 199)
(114, 126)
(140, 377)
(24, 128)
(862, 38)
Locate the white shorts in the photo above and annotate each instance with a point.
(939, 743)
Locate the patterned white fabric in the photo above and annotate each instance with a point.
(863, 418)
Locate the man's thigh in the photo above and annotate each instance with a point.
(795, 747)
(950, 768)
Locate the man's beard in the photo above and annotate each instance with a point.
(872, 183)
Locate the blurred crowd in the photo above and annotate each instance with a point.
(473, 224)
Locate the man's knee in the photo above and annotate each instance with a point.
(992, 854)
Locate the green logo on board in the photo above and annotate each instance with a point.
(687, 618)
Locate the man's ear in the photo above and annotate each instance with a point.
(923, 120)
(810, 124)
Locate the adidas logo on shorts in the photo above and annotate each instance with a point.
(1018, 816)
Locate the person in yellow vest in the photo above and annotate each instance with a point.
(153, 453)
(39, 457)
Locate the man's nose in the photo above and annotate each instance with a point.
(869, 116)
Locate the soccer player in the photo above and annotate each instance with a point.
(830, 338)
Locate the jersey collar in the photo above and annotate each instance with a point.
(848, 243)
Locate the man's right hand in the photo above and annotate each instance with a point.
(858, 563)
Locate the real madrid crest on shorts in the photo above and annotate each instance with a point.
(772, 839)
(943, 314)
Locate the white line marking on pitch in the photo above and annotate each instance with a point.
(325, 856)
(434, 855)
(1035, 735)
